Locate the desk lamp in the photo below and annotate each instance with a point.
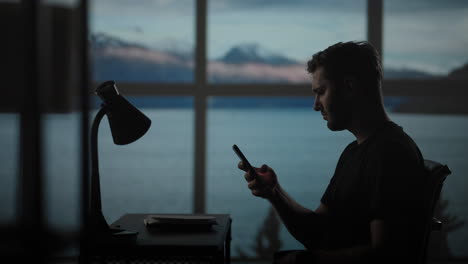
(127, 124)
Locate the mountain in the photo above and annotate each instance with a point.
(103, 40)
(121, 60)
(390, 73)
(116, 59)
(459, 73)
(253, 53)
(251, 63)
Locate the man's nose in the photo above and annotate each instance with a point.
(316, 104)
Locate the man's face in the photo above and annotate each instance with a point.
(330, 101)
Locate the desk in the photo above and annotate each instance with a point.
(160, 246)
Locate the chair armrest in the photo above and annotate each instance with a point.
(294, 256)
(436, 224)
(281, 253)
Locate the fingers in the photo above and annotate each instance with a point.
(248, 177)
(259, 186)
(254, 188)
(241, 166)
(252, 184)
(257, 192)
(264, 168)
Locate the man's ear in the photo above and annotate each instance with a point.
(350, 84)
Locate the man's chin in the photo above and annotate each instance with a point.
(333, 126)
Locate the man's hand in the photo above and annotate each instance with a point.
(265, 184)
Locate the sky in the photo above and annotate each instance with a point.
(427, 35)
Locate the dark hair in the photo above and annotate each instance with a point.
(358, 59)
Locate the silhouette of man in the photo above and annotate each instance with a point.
(370, 209)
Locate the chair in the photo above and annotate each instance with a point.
(436, 175)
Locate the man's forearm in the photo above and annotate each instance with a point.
(301, 222)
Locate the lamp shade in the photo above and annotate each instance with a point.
(126, 122)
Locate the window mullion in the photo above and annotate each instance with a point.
(199, 184)
(374, 23)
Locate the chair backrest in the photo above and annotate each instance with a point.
(436, 175)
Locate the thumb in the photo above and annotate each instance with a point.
(264, 168)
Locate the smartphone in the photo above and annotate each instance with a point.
(244, 160)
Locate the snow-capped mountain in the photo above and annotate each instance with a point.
(120, 60)
(102, 41)
(117, 59)
(253, 53)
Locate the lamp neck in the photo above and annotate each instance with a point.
(97, 219)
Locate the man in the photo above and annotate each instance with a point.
(370, 211)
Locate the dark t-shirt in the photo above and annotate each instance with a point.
(380, 178)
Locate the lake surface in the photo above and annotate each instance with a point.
(155, 173)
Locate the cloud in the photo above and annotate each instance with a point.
(431, 40)
(257, 71)
(416, 33)
(411, 7)
(145, 55)
(137, 29)
(143, 7)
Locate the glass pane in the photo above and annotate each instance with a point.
(140, 177)
(155, 173)
(61, 142)
(294, 140)
(270, 42)
(425, 39)
(9, 155)
(62, 170)
(148, 41)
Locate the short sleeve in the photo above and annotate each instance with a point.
(396, 197)
(393, 174)
(327, 197)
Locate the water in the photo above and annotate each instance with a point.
(155, 174)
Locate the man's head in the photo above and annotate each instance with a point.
(345, 76)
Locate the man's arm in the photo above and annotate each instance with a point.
(304, 224)
(359, 253)
(307, 226)
(370, 253)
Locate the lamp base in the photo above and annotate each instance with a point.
(115, 236)
(103, 233)
(118, 232)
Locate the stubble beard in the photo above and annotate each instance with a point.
(338, 121)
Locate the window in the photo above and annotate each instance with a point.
(154, 173)
(61, 134)
(255, 77)
(146, 44)
(424, 39)
(443, 138)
